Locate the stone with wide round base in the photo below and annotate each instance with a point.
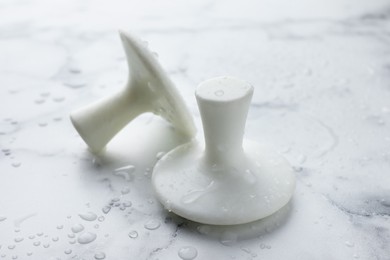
(225, 181)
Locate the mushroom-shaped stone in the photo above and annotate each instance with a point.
(224, 180)
(148, 89)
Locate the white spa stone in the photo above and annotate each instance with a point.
(148, 90)
(226, 180)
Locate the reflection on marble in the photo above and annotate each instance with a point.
(322, 98)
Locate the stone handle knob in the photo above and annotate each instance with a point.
(223, 104)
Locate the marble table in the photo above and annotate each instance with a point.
(321, 73)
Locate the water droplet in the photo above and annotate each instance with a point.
(250, 177)
(2, 218)
(72, 241)
(16, 164)
(228, 238)
(37, 243)
(301, 158)
(204, 229)
(125, 190)
(74, 70)
(159, 155)
(58, 99)
(349, 244)
(45, 94)
(89, 216)
(152, 224)
(127, 168)
(39, 101)
(101, 218)
(106, 209)
(17, 230)
(55, 239)
(127, 204)
(11, 247)
(14, 257)
(60, 227)
(31, 237)
(68, 251)
(194, 195)
(96, 226)
(77, 228)
(46, 245)
(219, 93)
(75, 83)
(29, 253)
(86, 238)
(18, 239)
(100, 255)
(133, 234)
(188, 253)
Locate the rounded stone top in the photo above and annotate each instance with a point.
(223, 89)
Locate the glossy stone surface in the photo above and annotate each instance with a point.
(321, 73)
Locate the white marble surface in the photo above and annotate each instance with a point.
(322, 98)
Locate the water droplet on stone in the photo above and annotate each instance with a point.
(159, 155)
(74, 70)
(125, 190)
(14, 257)
(2, 218)
(101, 218)
(46, 245)
(55, 239)
(31, 237)
(301, 158)
(127, 204)
(96, 226)
(106, 209)
(36, 243)
(204, 229)
(77, 228)
(39, 101)
(68, 251)
(58, 99)
(188, 253)
(60, 227)
(86, 238)
(75, 83)
(18, 239)
(11, 247)
(100, 255)
(250, 177)
(89, 216)
(228, 238)
(133, 234)
(72, 241)
(219, 93)
(152, 224)
(349, 244)
(29, 253)
(16, 164)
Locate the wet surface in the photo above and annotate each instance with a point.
(322, 99)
